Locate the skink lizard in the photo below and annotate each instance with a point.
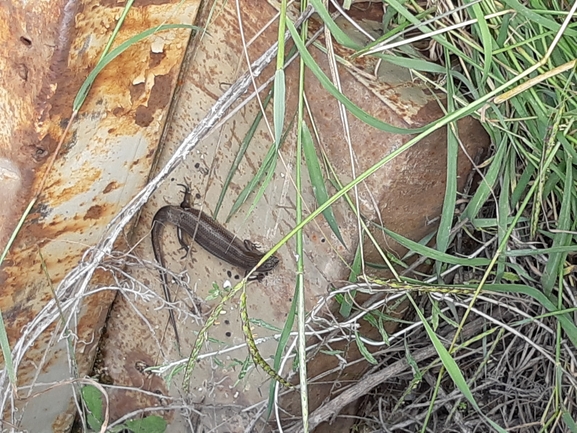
(210, 235)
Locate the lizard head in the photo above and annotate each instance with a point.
(269, 264)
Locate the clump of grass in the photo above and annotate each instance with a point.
(512, 66)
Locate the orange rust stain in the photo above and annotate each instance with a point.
(57, 196)
(143, 116)
(137, 91)
(156, 59)
(161, 92)
(94, 212)
(118, 111)
(134, 164)
(112, 186)
(158, 99)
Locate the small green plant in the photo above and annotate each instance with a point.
(92, 398)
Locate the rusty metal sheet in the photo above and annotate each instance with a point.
(46, 51)
(138, 332)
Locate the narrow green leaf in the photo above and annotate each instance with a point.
(268, 175)
(267, 165)
(503, 214)
(487, 184)
(543, 251)
(318, 182)
(526, 178)
(377, 321)
(431, 252)
(280, 348)
(392, 33)
(486, 41)
(566, 321)
(568, 419)
(240, 155)
(364, 351)
(452, 367)
(448, 212)
(6, 352)
(279, 105)
(417, 374)
(340, 36)
(563, 238)
(484, 223)
(347, 300)
(536, 17)
(265, 171)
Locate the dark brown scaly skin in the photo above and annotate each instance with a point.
(211, 236)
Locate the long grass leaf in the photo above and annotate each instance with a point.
(448, 211)
(485, 39)
(565, 320)
(341, 37)
(487, 184)
(6, 353)
(563, 238)
(536, 17)
(431, 252)
(503, 214)
(264, 172)
(280, 349)
(317, 181)
(279, 105)
(346, 304)
(451, 366)
(240, 155)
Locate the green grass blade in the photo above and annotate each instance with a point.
(240, 155)
(117, 28)
(485, 189)
(563, 238)
(279, 105)
(347, 300)
(448, 211)
(486, 41)
(503, 214)
(364, 351)
(431, 252)
(536, 17)
(268, 164)
(317, 181)
(565, 320)
(452, 367)
(571, 424)
(341, 37)
(92, 398)
(264, 172)
(7, 353)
